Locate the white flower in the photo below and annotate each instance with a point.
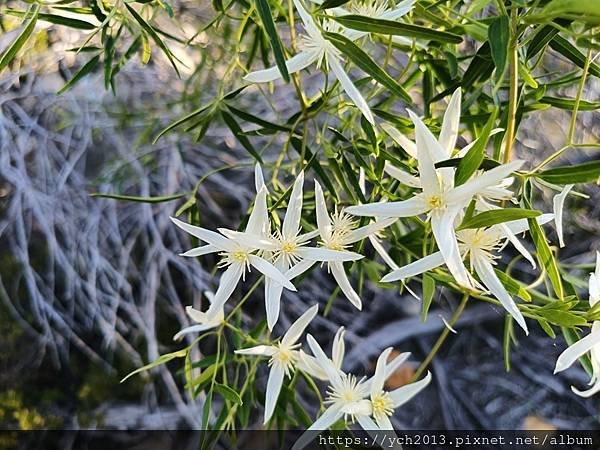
(559, 203)
(440, 199)
(287, 249)
(316, 49)
(479, 244)
(204, 320)
(237, 256)
(284, 358)
(337, 233)
(384, 403)
(590, 343)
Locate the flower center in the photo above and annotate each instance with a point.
(239, 256)
(285, 357)
(382, 405)
(435, 201)
(289, 247)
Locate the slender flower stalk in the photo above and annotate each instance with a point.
(590, 343)
(284, 358)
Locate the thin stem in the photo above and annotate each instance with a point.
(578, 98)
(513, 92)
(440, 341)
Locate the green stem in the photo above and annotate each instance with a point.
(513, 92)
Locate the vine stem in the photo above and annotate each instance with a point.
(440, 341)
(513, 90)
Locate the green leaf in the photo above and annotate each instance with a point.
(571, 336)
(85, 69)
(132, 198)
(498, 36)
(227, 393)
(264, 11)
(569, 51)
(547, 328)
(495, 216)
(239, 134)
(154, 35)
(569, 103)
(257, 120)
(474, 157)
(506, 340)
(545, 257)
(588, 172)
(394, 28)
(366, 63)
(333, 3)
(19, 42)
(55, 19)
(428, 291)
(562, 318)
(513, 286)
(159, 361)
(581, 10)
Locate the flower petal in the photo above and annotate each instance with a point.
(463, 194)
(576, 351)
(199, 251)
(350, 89)
(295, 64)
(514, 240)
(402, 176)
(401, 9)
(309, 364)
(227, 284)
(405, 393)
(522, 225)
(297, 328)
(258, 222)
(250, 240)
(338, 349)
(337, 270)
(393, 365)
(369, 230)
(325, 254)
(594, 283)
(407, 145)
(259, 350)
(205, 235)
(559, 203)
(328, 418)
(449, 132)
(291, 221)
(418, 267)
(333, 374)
(589, 392)
(485, 270)
(273, 293)
(442, 225)
(382, 252)
(367, 424)
(429, 151)
(194, 329)
(269, 270)
(379, 375)
(259, 180)
(405, 208)
(273, 389)
(299, 269)
(323, 220)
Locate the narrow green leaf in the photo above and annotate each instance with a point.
(257, 120)
(428, 286)
(588, 172)
(498, 36)
(366, 63)
(495, 216)
(131, 198)
(545, 257)
(159, 361)
(562, 318)
(333, 3)
(239, 134)
(264, 11)
(194, 114)
(547, 328)
(154, 35)
(513, 286)
(569, 103)
(394, 28)
(227, 393)
(475, 156)
(569, 51)
(85, 69)
(29, 25)
(506, 340)
(55, 19)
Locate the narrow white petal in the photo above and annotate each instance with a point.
(259, 179)
(337, 270)
(258, 222)
(594, 283)
(273, 388)
(307, 19)
(559, 203)
(367, 424)
(369, 230)
(333, 374)
(514, 240)
(323, 220)
(395, 364)
(405, 208)
(269, 270)
(259, 350)
(250, 240)
(291, 222)
(442, 225)
(195, 315)
(465, 192)
(485, 270)
(379, 376)
(350, 89)
(297, 328)
(295, 64)
(427, 144)
(449, 132)
(576, 351)
(273, 293)
(463, 151)
(194, 329)
(589, 392)
(328, 418)
(227, 284)
(402, 176)
(401, 9)
(299, 269)
(203, 234)
(338, 349)
(199, 251)
(381, 251)
(325, 254)
(405, 393)
(418, 267)
(408, 145)
(308, 236)
(309, 364)
(522, 225)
